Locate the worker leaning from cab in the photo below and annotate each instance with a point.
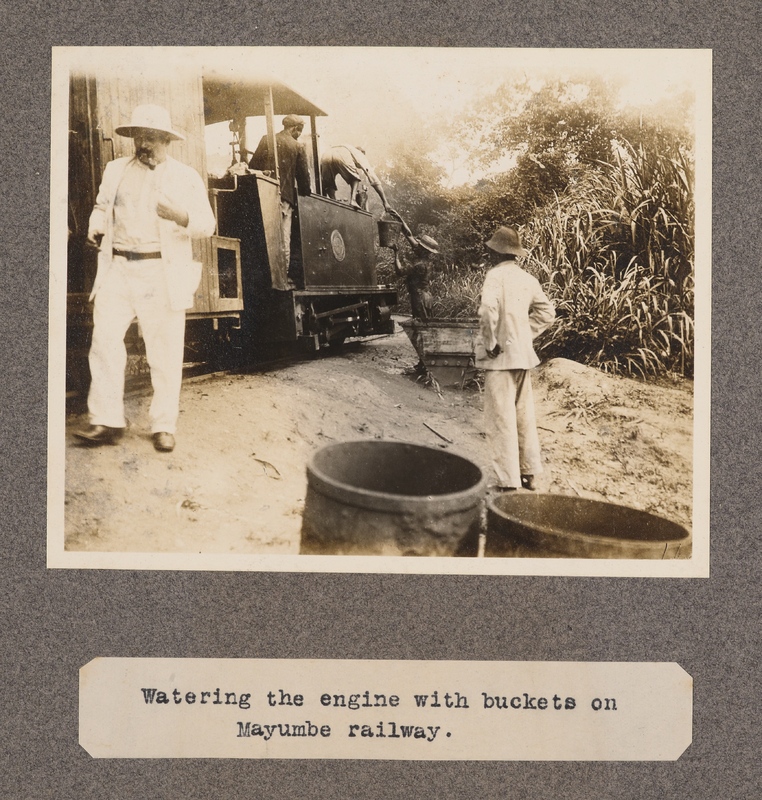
(351, 164)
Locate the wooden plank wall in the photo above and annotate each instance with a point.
(182, 95)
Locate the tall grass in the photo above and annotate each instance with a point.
(616, 253)
(456, 292)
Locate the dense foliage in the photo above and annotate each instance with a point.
(616, 255)
(604, 201)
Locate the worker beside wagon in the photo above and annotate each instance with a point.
(351, 163)
(293, 171)
(417, 276)
(514, 310)
(148, 210)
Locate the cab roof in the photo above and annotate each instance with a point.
(232, 96)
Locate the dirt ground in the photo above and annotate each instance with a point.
(236, 481)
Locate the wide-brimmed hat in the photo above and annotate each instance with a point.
(427, 243)
(151, 118)
(506, 240)
(293, 121)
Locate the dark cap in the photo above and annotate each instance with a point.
(292, 121)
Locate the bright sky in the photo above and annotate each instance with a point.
(373, 96)
(372, 90)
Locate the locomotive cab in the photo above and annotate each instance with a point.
(329, 290)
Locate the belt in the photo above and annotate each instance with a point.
(130, 256)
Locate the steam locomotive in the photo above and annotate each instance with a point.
(249, 299)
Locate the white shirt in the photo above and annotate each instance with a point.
(136, 223)
(513, 311)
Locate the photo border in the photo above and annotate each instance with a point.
(695, 567)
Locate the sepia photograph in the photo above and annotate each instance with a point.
(380, 401)
(412, 310)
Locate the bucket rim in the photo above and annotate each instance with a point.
(492, 507)
(385, 501)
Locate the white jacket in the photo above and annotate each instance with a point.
(184, 187)
(514, 310)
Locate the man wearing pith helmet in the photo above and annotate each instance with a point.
(148, 210)
(513, 312)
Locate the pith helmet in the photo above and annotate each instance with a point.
(293, 121)
(152, 118)
(506, 240)
(427, 243)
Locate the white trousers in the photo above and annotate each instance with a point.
(511, 426)
(135, 289)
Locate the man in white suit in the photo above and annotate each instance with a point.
(148, 210)
(513, 312)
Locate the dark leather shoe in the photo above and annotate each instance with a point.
(527, 482)
(96, 435)
(163, 442)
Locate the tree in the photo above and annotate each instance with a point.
(415, 184)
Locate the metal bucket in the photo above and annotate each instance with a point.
(391, 499)
(553, 526)
(388, 232)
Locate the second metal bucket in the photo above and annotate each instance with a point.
(559, 526)
(391, 499)
(388, 232)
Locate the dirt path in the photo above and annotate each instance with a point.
(236, 481)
